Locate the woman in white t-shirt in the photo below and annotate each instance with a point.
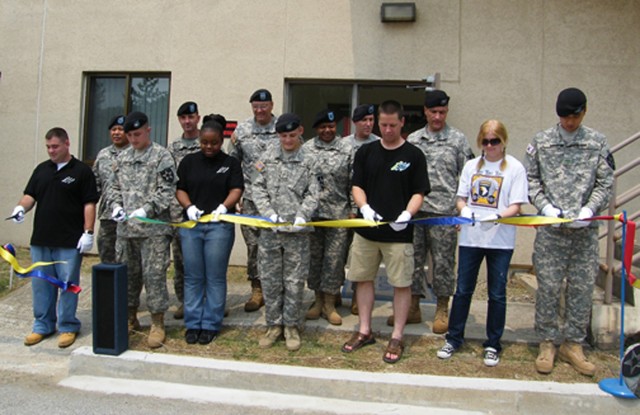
(491, 186)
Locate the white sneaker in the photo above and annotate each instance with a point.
(446, 351)
(491, 357)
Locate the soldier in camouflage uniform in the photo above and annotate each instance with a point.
(570, 173)
(248, 144)
(187, 143)
(103, 170)
(144, 185)
(285, 190)
(446, 150)
(330, 156)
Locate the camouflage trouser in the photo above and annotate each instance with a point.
(147, 260)
(178, 265)
(328, 255)
(283, 262)
(565, 254)
(440, 242)
(251, 235)
(107, 241)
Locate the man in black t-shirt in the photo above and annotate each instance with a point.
(65, 191)
(389, 183)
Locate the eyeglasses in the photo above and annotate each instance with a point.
(493, 141)
(262, 107)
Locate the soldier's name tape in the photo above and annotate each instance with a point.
(7, 252)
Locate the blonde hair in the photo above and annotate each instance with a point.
(500, 131)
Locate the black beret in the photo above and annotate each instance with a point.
(362, 111)
(187, 108)
(325, 116)
(570, 101)
(287, 122)
(117, 120)
(135, 120)
(261, 95)
(436, 98)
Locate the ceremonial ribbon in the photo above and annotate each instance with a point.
(7, 253)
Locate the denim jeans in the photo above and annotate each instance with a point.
(206, 250)
(45, 294)
(469, 260)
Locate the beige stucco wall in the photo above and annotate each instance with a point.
(506, 59)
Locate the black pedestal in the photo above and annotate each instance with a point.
(109, 298)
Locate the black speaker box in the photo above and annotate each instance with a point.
(109, 299)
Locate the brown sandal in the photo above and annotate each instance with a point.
(395, 347)
(357, 341)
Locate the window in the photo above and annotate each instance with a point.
(111, 94)
(307, 98)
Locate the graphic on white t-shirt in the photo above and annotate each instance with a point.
(485, 190)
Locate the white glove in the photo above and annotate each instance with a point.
(487, 223)
(220, 210)
(138, 213)
(18, 214)
(585, 213)
(551, 212)
(369, 214)
(118, 214)
(490, 218)
(193, 213)
(296, 224)
(85, 243)
(467, 213)
(276, 219)
(400, 223)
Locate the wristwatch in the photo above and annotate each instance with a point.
(89, 231)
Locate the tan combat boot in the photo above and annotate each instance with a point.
(329, 310)
(132, 319)
(156, 334)
(414, 316)
(441, 319)
(546, 356)
(316, 307)
(292, 338)
(272, 335)
(256, 301)
(572, 353)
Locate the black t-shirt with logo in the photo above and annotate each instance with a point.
(60, 198)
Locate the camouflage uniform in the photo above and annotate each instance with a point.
(178, 149)
(103, 170)
(446, 152)
(145, 180)
(332, 165)
(248, 144)
(569, 176)
(286, 186)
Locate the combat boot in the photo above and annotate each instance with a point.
(132, 319)
(415, 314)
(273, 334)
(572, 353)
(316, 307)
(256, 301)
(329, 310)
(292, 338)
(546, 356)
(441, 319)
(156, 334)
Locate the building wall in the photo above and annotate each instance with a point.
(504, 59)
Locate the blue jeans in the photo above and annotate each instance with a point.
(469, 260)
(45, 294)
(206, 250)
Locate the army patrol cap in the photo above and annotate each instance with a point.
(135, 120)
(287, 122)
(436, 98)
(188, 108)
(570, 101)
(261, 95)
(362, 111)
(117, 120)
(325, 116)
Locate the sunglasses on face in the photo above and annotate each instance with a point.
(493, 141)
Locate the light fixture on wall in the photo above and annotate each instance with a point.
(397, 12)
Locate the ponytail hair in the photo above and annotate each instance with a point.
(214, 122)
